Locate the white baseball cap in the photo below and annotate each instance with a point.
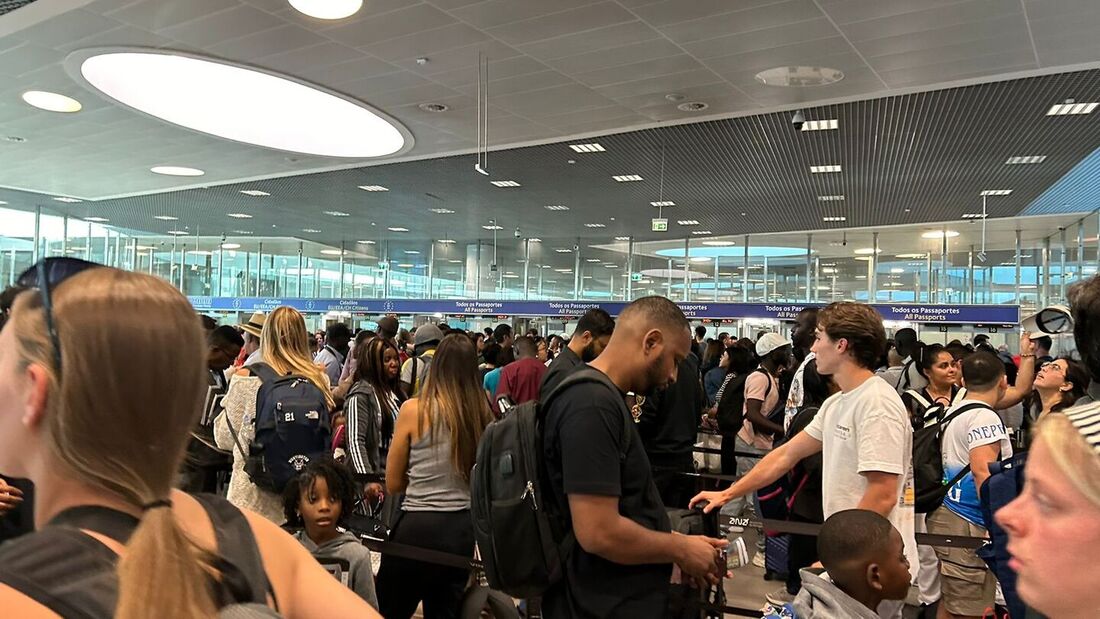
(769, 342)
(1048, 321)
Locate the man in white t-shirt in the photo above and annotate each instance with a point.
(863, 433)
(974, 438)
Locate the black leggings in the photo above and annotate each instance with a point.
(404, 583)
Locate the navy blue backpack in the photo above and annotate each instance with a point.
(292, 428)
(1004, 484)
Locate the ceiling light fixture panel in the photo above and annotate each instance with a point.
(311, 231)
(1070, 108)
(974, 215)
(563, 250)
(239, 215)
(178, 232)
(1028, 159)
(627, 178)
(622, 238)
(587, 148)
(67, 200)
(535, 239)
(996, 192)
(595, 225)
(98, 220)
(836, 198)
(51, 102)
(175, 170)
(556, 207)
(820, 125)
(373, 188)
(166, 218)
(492, 227)
(824, 169)
(338, 213)
(255, 193)
(328, 9)
(397, 229)
(441, 211)
(505, 183)
(834, 218)
(688, 222)
(446, 241)
(701, 232)
(240, 103)
(663, 203)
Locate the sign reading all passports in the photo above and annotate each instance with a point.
(944, 314)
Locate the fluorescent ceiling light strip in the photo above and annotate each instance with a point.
(505, 183)
(587, 148)
(626, 178)
(239, 215)
(820, 125)
(1025, 160)
(556, 207)
(254, 192)
(996, 192)
(701, 232)
(373, 188)
(688, 222)
(836, 198)
(663, 203)
(824, 169)
(595, 226)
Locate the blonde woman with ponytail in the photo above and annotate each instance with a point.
(284, 344)
(101, 379)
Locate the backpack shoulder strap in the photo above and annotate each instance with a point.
(592, 375)
(243, 569)
(916, 395)
(962, 409)
(264, 372)
(904, 378)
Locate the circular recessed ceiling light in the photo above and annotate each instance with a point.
(175, 170)
(328, 9)
(939, 234)
(51, 101)
(799, 76)
(694, 106)
(240, 104)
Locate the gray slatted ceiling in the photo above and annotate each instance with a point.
(931, 153)
(7, 6)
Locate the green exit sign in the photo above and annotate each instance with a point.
(660, 224)
(635, 277)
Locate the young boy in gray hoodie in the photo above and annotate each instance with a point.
(864, 559)
(319, 500)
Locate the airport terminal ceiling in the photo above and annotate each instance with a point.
(586, 71)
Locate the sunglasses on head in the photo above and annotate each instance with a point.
(46, 275)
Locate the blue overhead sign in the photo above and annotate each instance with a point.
(902, 312)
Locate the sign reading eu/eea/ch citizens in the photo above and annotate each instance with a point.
(902, 312)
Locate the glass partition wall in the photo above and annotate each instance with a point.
(1031, 261)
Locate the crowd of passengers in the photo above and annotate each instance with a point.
(127, 488)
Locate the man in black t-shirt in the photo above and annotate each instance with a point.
(590, 338)
(622, 563)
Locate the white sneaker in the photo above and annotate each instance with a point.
(758, 560)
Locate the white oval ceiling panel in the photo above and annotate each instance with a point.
(240, 103)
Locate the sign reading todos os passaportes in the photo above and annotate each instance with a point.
(909, 312)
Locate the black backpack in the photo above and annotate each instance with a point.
(928, 476)
(731, 404)
(524, 538)
(292, 428)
